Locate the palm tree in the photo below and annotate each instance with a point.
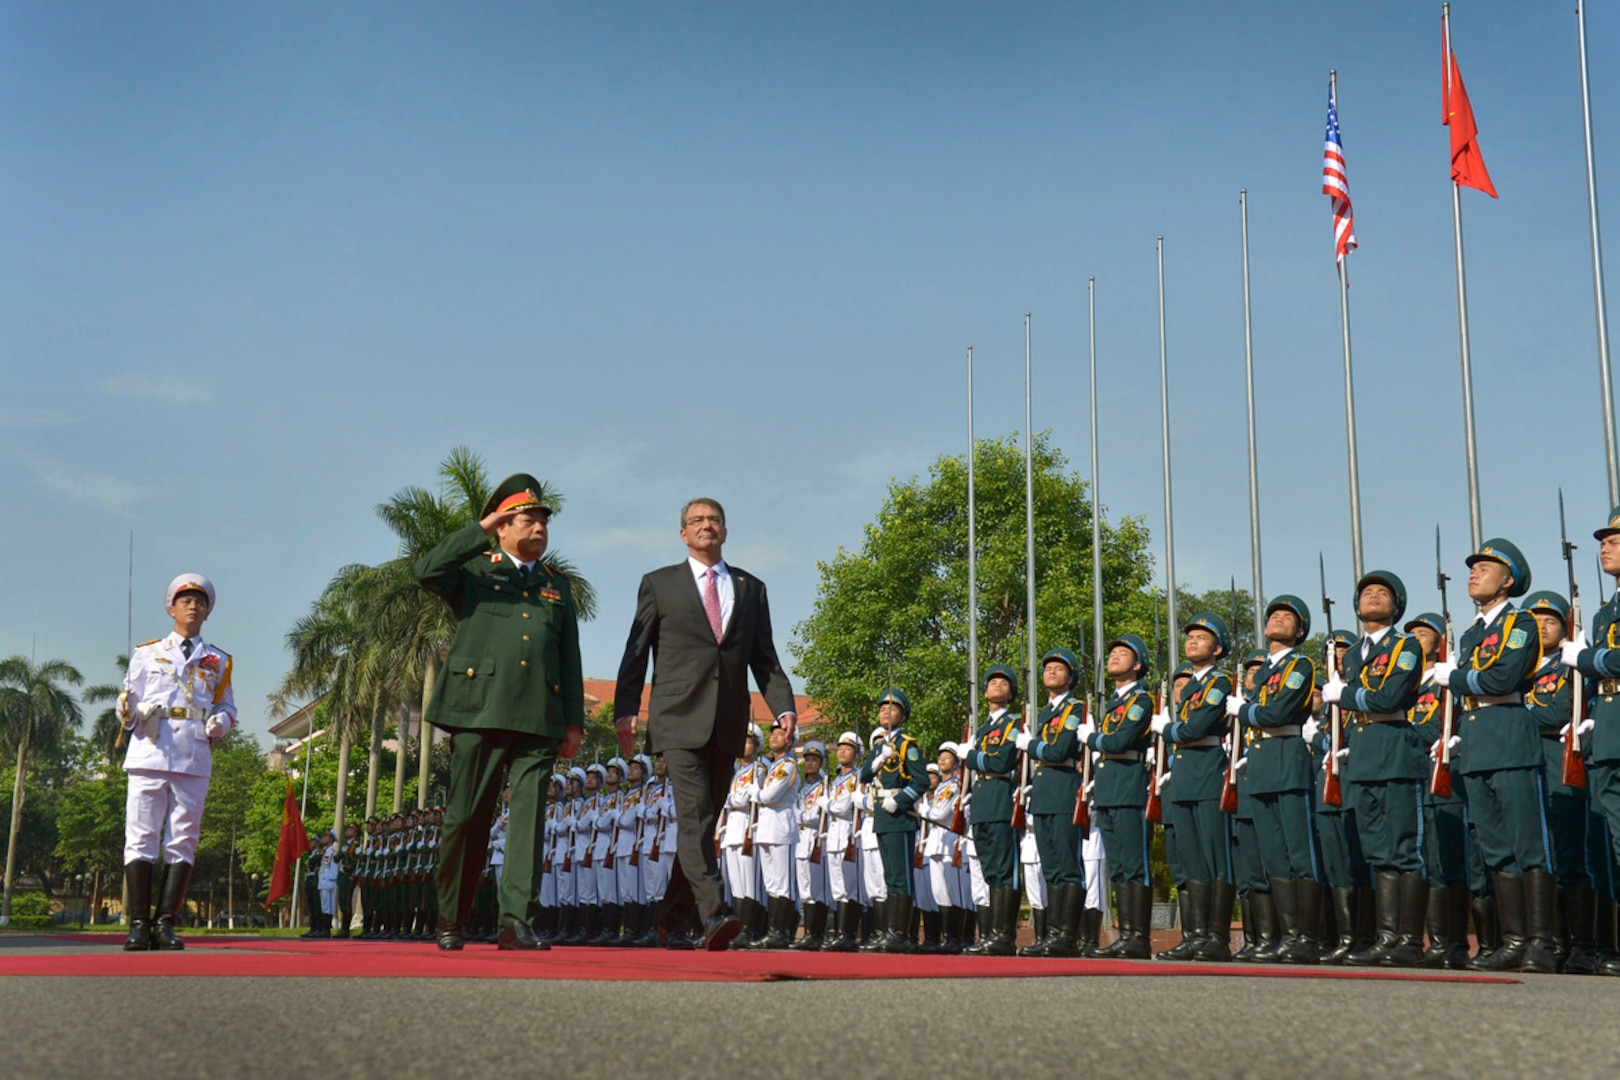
(36, 712)
(107, 731)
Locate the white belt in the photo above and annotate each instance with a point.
(1285, 732)
(175, 712)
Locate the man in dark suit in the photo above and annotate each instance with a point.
(708, 625)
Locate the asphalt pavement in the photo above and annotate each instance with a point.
(1126, 1026)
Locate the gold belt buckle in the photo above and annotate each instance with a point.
(177, 713)
(1609, 686)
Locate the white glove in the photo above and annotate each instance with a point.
(753, 796)
(1085, 731)
(885, 752)
(1023, 739)
(1159, 722)
(1311, 729)
(1234, 705)
(1165, 780)
(1023, 794)
(1442, 672)
(1434, 751)
(1242, 763)
(967, 801)
(1585, 726)
(1333, 691)
(1570, 651)
(1342, 753)
(1089, 789)
(891, 807)
(218, 725)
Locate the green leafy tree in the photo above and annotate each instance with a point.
(107, 730)
(38, 713)
(895, 611)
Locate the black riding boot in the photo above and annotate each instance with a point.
(1511, 918)
(138, 883)
(1090, 931)
(1344, 920)
(1217, 946)
(175, 882)
(1580, 904)
(1414, 904)
(1436, 927)
(877, 939)
(1308, 899)
(1541, 905)
(933, 925)
(1246, 915)
(900, 939)
(1283, 903)
(1192, 902)
(1388, 892)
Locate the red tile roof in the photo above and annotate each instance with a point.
(600, 690)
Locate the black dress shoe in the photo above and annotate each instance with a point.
(719, 932)
(450, 939)
(516, 935)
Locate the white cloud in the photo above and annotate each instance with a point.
(161, 386)
(81, 485)
(34, 418)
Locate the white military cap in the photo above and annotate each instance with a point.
(815, 746)
(188, 583)
(849, 738)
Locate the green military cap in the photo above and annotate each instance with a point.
(1428, 618)
(1612, 527)
(1290, 602)
(891, 696)
(1344, 639)
(1550, 603)
(520, 491)
(1134, 643)
(1507, 553)
(1183, 669)
(1004, 672)
(1391, 582)
(1256, 656)
(1067, 657)
(1208, 620)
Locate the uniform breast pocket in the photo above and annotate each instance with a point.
(467, 682)
(491, 597)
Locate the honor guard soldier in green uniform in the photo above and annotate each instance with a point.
(1054, 751)
(1386, 768)
(1501, 754)
(511, 694)
(1281, 777)
(1197, 836)
(1550, 701)
(1599, 660)
(1249, 873)
(1342, 867)
(1445, 830)
(348, 861)
(1120, 781)
(899, 776)
(993, 758)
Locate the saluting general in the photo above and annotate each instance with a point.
(511, 694)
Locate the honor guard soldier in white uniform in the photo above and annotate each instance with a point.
(841, 857)
(569, 926)
(608, 802)
(657, 849)
(776, 829)
(551, 858)
(873, 886)
(942, 852)
(627, 859)
(176, 702)
(738, 834)
(811, 855)
(585, 877)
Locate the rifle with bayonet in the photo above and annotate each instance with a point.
(1440, 771)
(821, 824)
(1229, 795)
(1154, 810)
(1332, 792)
(1574, 770)
(753, 810)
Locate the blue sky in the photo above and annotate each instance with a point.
(262, 267)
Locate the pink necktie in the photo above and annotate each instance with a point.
(711, 602)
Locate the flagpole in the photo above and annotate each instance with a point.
(1462, 327)
(1096, 504)
(1029, 525)
(1173, 647)
(1597, 272)
(1349, 387)
(1254, 469)
(973, 566)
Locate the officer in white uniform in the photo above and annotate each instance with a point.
(608, 802)
(326, 879)
(843, 870)
(925, 902)
(585, 877)
(874, 889)
(1029, 857)
(812, 855)
(942, 854)
(176, 702)
(567, 858)
(775, 832)
(551, 860)
(657, 839)
(627, 850)
(741, 875)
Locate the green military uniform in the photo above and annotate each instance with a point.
(1248, 871)
(1550, 702)
(348, 861)
(1054, 751)
(1501, 756)
(1197, 835)
(1120, 782)
(1599, 661)
(1281, 778)
(993, 759)
(901, 776)
(1341, 864)
(508, 691)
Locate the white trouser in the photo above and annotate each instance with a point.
(843, 876)
(158, 799)
(945, 881)
(655, 876)
(565, 885)
(922, 887)
(584, 884)
(1095, 867)
(981, 889)
(776, 868)
(742, 873)
(1034, 883)
(548, 888)
(607, 881)
(629, 878)
(872, 875)
(813, 880)
(329, 899)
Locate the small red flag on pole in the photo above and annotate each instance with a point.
(1467, 163)
(289, 848)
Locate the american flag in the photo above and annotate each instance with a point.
(1336, 184)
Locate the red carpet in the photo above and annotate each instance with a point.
(282, 957)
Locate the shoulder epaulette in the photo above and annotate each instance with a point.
(552, 569)
(144, 644)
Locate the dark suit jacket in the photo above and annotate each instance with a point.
(700, 686)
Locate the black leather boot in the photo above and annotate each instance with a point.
(1487, 927)
(933, 923)
(1366, 918)
(778, 919)
(1608, 936)
(1457, 903)
(1436, 927)
(1246, 952)
(1217, 946)
(1511, 918)
(955, 929)
(1344, 920)
(1541, 906)
(900, 939)
(998, 933)
(175, 882)
(815, 928)
(982, 924)
(1090, 931)
(1388, 898)
(138, 883)
(1414, 905)
(878, 939)
(1192, 903)
(1123, 917)
(1307, 949)
(847, 928)
(1042, 919)
(1580, 907)
(1064, 943)
(1283, 903)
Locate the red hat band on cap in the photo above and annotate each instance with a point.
(519, 501)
